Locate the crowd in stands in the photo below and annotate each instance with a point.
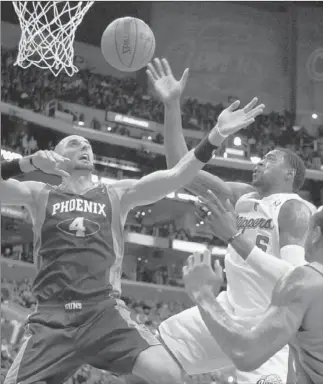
(33, 88)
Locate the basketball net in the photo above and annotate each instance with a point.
(47, 33)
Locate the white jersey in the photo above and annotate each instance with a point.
(186, 335)
(248, 292)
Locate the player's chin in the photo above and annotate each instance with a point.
(256, 182)
(83, 166)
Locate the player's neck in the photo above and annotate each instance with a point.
(274, 190)
(77, 183)
(316, 255)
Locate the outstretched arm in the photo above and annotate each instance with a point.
(251, 343)
(13, 192)
(158, 185)
(176, 148)
(169, 90)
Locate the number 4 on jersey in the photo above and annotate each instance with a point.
(77, 225)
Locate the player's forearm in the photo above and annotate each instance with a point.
(157, 185)
(176, 149)
(10, 169)
(175, 145)
(248, 342)
(233, 338)
(265, 264)
(185, 170)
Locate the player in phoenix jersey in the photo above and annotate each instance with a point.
(270, 213)
(78, 250)
(293, 316)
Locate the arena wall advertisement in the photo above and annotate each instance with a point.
(310, 66)
(231, 50)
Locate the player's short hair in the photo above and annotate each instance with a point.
(295, 162)
(61, 144)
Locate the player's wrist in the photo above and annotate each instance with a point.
(242, 245)
(173, 103)
(216, 137)
(26, 164)
(204, 296)
(205, 149)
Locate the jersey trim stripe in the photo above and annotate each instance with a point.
(117, 239)
(39, 218)
(13, 372)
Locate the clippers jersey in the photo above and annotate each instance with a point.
(307, 344)
(248, 292)
(78, 242)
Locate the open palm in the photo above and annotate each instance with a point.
(232, 119)
(162, 79)
(199, 277)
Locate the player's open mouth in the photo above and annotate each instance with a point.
(84, 157)
(257, 170)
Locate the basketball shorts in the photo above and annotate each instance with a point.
(197, 352)
(60, 339)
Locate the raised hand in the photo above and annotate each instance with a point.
(162, 79)
(223, 218)
(231, 120)
(199, 278)
(50, 162)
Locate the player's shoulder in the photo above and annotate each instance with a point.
(240, 190)
(34, 186)
(120, 187)
(292, 287)
(313, 279)
(294, 210)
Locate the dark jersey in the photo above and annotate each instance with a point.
(78, 240)
(307, 345)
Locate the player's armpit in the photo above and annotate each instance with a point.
(14, 192)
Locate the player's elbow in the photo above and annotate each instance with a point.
(175, 178)
(245, 361)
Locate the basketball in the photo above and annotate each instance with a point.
(128, 44)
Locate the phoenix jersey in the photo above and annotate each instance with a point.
(307, 344)
(78, 243)
(248, 292)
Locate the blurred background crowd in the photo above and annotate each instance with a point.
(123, 120)
(34, 88)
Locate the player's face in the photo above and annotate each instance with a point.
(270, 170)
(79, 151)
(313, 237)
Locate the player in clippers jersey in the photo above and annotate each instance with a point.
(293, 315)
(258, 218)
(79, 242)
(276, 180)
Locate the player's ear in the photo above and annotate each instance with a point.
(317, 235)
(290, 174)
